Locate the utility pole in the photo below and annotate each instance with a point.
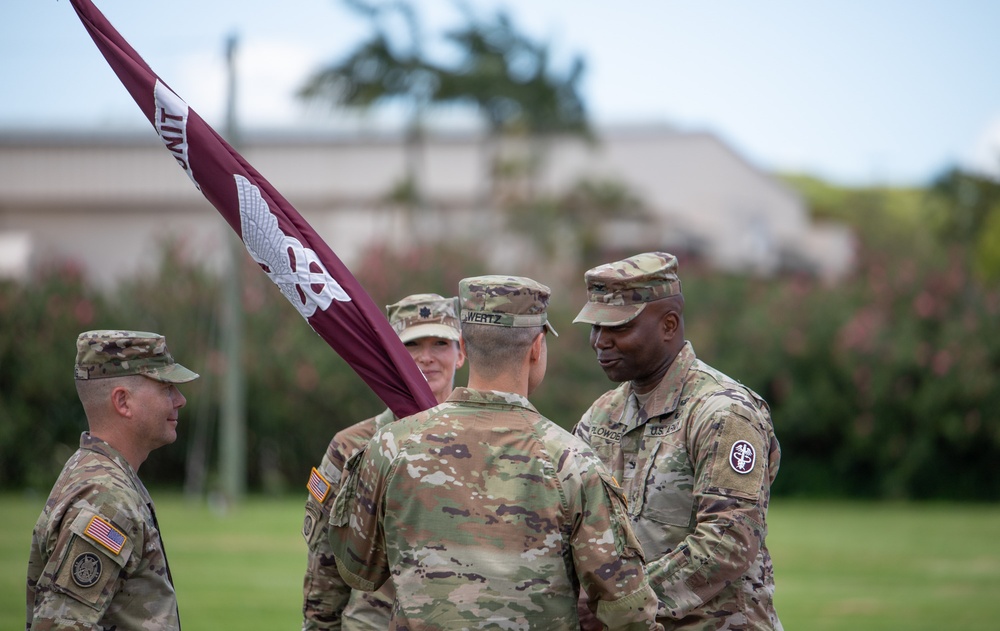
(233, 434)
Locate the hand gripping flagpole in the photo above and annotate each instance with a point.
(285, 246)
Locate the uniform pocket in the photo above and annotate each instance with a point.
(342, 505)
(668, 487)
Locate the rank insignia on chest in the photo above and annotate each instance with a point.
(105, 534)
(318, 486)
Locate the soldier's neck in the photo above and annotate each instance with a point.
(518, 384)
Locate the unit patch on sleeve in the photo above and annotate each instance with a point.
(742, 457)
(736, 468)
(318, 486)
(86, 569)
(105, 534)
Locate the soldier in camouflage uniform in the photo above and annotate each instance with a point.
(427, 324)
(97, 560)
(482, 513)
(694, 449)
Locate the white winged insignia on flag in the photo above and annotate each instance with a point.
(278, 238)
(306, 284)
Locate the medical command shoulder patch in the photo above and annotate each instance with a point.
(742, 457)
(318, 486)
(105, 534)
(737, 468)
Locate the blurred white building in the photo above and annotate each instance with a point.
(108, 201)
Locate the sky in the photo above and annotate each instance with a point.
(857, 92)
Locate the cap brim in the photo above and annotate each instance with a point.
(174, 373)
(608, 315)
(428, 330)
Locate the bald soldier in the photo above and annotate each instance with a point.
(480, 512)
(97, 560)
(695, 451)
(427, 325)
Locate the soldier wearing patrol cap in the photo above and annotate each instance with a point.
(480, 512)
(427, 324)
(97, 560)
(694, 449)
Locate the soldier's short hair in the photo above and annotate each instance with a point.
(495, 350)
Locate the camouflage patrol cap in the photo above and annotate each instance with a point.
(101, 354)
(619, 291)
(424, 315)
(511, 301)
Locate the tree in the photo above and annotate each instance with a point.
(964, 208)
(378, 72)
(507, 77)
(510, 80)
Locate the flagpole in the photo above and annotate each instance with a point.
(232, 441)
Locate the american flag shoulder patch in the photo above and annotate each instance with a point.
(105, 534)
(318, 486)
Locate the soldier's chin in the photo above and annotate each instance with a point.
(612, 372)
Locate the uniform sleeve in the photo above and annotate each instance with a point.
(86, 561)
(356, 535)
(732, 487)
(608, 558)
(324, 592)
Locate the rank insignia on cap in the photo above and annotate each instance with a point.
(86, 569)
(318, 487)
(105, 534)
(742, 457)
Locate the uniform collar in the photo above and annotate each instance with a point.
(666, 396)
(490, 397)
(90, 442)
(384, 418)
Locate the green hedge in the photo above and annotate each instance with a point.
(884, 385)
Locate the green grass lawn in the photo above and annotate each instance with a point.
(839, 565)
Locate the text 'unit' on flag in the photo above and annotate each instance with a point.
(286, 247)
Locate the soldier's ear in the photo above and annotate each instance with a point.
(536, 346)
(669, 324)
(672, 322)
(121, 400)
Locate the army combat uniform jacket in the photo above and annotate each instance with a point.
(328, 602)
(696, 463)
(97, 561)
(484, 514)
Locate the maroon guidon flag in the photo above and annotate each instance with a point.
(285, 246)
